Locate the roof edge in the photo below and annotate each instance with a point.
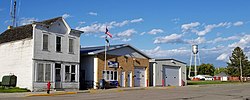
(163, 59)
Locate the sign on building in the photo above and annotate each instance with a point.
(113, 64)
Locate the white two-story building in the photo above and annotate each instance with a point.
(40, 52)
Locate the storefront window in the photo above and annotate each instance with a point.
(70, 73)
(110, 75)
(43, 72)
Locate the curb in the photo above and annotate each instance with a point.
(112, 90)
(99, 91)
(134, 89)
(52, 94)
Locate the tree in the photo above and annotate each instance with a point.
(233, 66)
(206, 69)
(219, 70)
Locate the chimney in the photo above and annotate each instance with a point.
(10, 27)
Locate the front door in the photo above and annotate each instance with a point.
(122, 79)
(129, 79)
(58, 76)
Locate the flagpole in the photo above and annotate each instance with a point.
(105, 57)
(105, 51)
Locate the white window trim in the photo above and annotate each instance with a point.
(44, 72)
(60, 41)
(73, 46)
(70, 72)
(110, 75)
(48, 41)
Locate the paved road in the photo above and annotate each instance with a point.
(206, 92)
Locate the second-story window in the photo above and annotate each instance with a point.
(71, 46)
(58, 44)
(45, 42)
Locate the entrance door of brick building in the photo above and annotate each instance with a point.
(122, 79)
(129, 79)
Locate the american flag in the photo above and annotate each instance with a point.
(107, 32)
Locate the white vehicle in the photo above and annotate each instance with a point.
(204, 77)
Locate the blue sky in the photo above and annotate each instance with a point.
(160, 28)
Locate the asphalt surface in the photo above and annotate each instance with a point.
(202, 92)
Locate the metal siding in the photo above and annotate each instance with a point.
(159, 71)
(158, 74)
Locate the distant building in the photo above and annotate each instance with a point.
(167, 72)
(41, 52)
(125, 65)
(221, 76)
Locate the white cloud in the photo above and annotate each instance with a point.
(155, 31)
(125, 35)
(209, 28)
(94, 28)
(225, 52)
(25, 21)
(142, 33)
(153, 51)
(198, 40)
(186, 27)
(220, 39)
(126, 40)
(82, 22)
(193, 27)
(223, 57)
(137, 20)
(175, 20)
(239, 23)
(121, 23)
(243, 42)
(100, 27)
(93, 13)
(128, 33)
(171, 53)
(215, 54)
(66, 16)
(217, 49)
(173, 38)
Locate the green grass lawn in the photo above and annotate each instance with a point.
(12, 90)
(209, 82)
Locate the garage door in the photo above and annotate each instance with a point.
(172, 76)
(139, 77)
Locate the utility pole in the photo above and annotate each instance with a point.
(240, 70)
(13, 14)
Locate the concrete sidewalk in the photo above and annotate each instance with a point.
(114, 90)
(29, 94)
(92, 91)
